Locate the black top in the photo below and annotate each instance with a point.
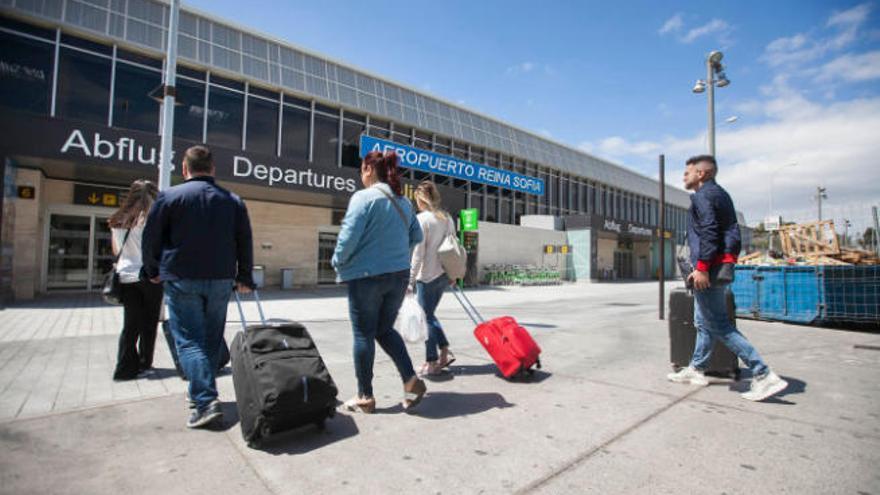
(198, 230)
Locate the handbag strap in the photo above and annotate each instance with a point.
(119, 254)
(396, 207)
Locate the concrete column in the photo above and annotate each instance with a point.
(27, 238)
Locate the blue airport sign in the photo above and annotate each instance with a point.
(435, 163)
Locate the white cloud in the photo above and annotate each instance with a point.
(672, 25)
(712, 27)
(835, 145)
(521, 68)
(852, 68)
(855, 15)
(802, 48)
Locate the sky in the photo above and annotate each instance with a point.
(614, 79)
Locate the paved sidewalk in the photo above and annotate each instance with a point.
(600, 417)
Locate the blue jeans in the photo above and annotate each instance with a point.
(197, 315)
(373, 303)
(429, 294)
(712, 322)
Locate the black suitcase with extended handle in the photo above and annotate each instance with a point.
(683, 336)
(280, 380)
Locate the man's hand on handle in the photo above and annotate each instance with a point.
(242, 288)
(700, 280)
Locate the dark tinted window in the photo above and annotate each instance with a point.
(225, 112)
(190, 110)
(132, 106)
(295, 133)
(326, 140)
(351, 136)
(262, 126)
(25, 74)
(83, 87)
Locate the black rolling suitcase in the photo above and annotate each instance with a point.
(280, 380)
(683, 335)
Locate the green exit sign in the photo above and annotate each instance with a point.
(468, 219)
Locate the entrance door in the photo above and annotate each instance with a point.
(326, 246)
(79, 251)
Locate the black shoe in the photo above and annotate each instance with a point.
(200, 419)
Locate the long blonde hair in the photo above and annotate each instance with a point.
(428, 195)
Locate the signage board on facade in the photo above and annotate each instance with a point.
(92, 145)
(469, 219)
(435, 163)
(26, 192)
(96, 196)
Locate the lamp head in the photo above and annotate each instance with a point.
(715, 57)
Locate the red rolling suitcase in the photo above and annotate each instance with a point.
(510, 345)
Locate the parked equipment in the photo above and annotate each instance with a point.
(280, 380)
(510, 345)
(683, 335)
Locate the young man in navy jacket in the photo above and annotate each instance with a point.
(197, 242)
(714, 240)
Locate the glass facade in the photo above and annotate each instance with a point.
(26, 75)
(106, 84)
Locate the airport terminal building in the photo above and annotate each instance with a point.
(80, 121)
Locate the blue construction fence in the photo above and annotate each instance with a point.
(808, 294)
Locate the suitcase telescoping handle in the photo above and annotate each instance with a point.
(241, 312)
(468, 306)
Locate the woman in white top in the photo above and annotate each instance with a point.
(141, 299)
(427, 277)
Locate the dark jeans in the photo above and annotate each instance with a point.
(373, 303)
(429, 295)
(141, 302)
(197, 315)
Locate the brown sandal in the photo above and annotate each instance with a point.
(415, 393)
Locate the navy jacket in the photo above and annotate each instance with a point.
(198, 230)
(713, 232)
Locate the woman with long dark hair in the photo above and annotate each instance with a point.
(372, 256)
(141, 299)
(427, 276)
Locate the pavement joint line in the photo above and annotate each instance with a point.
(75, 410)
(237, 448)
(534, 485)
(783, 418)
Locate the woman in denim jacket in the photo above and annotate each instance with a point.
(373, 257)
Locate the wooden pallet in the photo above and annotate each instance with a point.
(809, 240)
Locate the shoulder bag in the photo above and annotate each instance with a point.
(112, 290)
(452, 255)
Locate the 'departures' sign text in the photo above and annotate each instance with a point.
(435, 163)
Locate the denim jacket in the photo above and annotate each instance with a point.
(713, 231)
(374, 238)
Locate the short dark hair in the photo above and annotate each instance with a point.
(199, 159)
(702, 158)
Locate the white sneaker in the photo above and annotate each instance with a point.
(764, 387)
(689, 375)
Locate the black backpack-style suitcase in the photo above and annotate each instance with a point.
(683, 336)
(280, 380)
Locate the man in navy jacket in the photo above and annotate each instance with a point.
(714, 240)
(197, 243)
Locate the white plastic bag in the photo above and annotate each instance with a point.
(411, 321)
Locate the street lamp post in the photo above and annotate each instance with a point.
(713, 68)
(169, 93)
